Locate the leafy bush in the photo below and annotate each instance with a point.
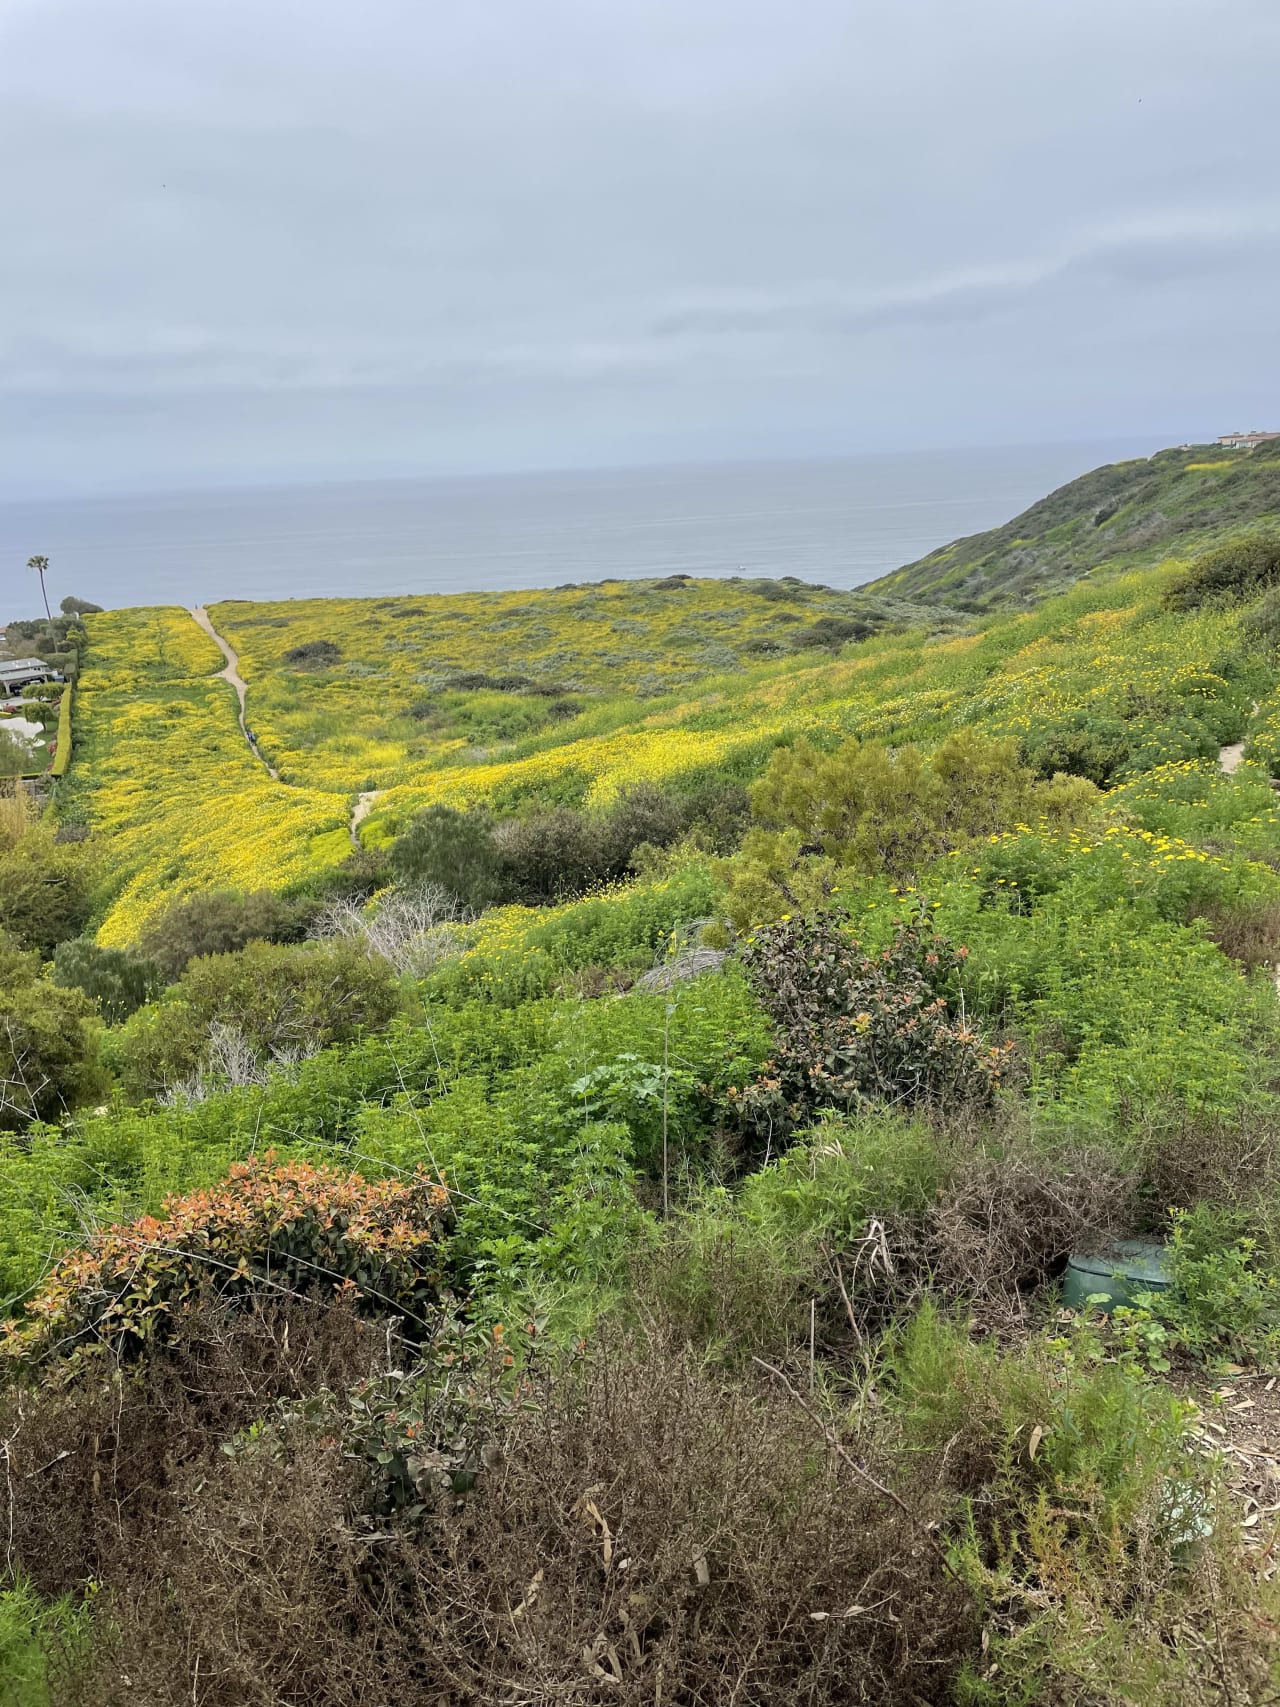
(549, 856)
(219, 921)
(314, 652)
(45, 888)
(1089, 744)
(274, 1230)
(1224, 1301)
(279, 1001)
(878, 809)
(118, 982)
(1076, 1509)
(1240, 568)
(852, 1028)
(50, 1060)
(453, 850)
(72, 606)
(832, 632)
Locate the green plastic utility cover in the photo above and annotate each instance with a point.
(1117, 1273)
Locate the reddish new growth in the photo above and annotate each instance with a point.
(271, 1230)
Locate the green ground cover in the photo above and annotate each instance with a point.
(869, 981)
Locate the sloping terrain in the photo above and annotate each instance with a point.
(602, 1237)
(1126, 513)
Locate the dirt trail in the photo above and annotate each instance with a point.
(361, 810)
(1229, 758)
(232, 674)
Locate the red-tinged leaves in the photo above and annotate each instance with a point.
(271, 1229)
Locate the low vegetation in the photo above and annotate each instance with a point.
(601, 1238)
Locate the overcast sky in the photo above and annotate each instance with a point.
(259, 240)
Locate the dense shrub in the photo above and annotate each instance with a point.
(45, 887)
(50, 1060)
(314, 652)
(219, 921)
(877, 809)
(72, 606)
(453, 850)
(1242, 567)
(274, 1230)
(267, 1002)
(832, 632)
(1088, 744)
(555, 853)
(1077, 1508)
(118, 982)
(852, 1028)
(689, 1534)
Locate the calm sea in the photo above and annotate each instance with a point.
(838, 521)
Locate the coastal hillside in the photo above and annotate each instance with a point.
(1121, 516)
(641, 1142)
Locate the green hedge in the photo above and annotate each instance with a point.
(62, 758)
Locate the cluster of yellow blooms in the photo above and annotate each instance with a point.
(166, 778)
(175, 797)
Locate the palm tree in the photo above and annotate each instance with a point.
(40, 564)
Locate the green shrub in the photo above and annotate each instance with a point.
(1091, 744)
(454, 850)
(50, 1056)
(853, 1028)
(1242, 567)
(550, 856)
(45, 889)
(274, 1001)
(1261, 622)
(219, 921)
(314, 653)
(1224, 1302)
(877, 809)
(45, 1646)
(118, 982)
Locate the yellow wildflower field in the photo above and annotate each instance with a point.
(177, 800)
(163, 776)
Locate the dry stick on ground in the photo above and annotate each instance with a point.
(864, 1475)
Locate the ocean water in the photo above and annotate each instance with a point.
(839, 521)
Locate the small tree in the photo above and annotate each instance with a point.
(854, 1027)
(41, 565)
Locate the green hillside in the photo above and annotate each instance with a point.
(590, 1165)
(1125, 514)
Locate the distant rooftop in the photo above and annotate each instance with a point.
(1246, 440)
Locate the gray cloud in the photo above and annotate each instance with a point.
(243, 241)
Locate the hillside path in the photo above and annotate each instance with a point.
(232, 674)
(1229, 758)
(360, 811)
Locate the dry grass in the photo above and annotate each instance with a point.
(654, 1531)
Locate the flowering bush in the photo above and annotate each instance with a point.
(271, 1230)
(853, 1027)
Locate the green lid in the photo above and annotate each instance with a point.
(1116, 1274)
(1135, 1259)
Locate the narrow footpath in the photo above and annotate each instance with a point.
(232, 674)
(361, 810)
(1229, 758)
